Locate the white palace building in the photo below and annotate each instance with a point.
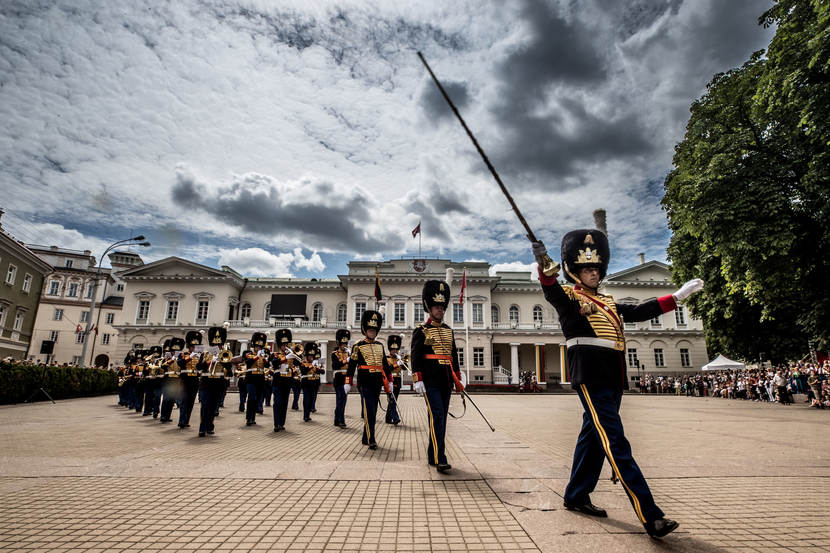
(510, 328)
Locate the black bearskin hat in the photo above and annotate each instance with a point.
(342, 336)
(166, 346)
(371, 319)
(259, 339)
(155, 350)
(176, 344)
(217, 335)
(394, 342)
(437, 292)
(283, 336)
(584, 249)
(310, 348)
(193, 338)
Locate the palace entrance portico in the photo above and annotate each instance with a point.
(542, 356)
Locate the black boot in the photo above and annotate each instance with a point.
(660, 527)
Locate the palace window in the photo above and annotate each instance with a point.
(478, 357)
(143, 311)
(84, 316)
(317, 312)
(58, 316)
(478, 314)
(632, 357)
(400, 313)
(419, 314)
(202, 310)
(171, 314)
(110, 318)
(342, 313)
(119, 287)
(245, 311)
(685, 360)
(658, 357)
(460, 356)
(457, 313)
(513, 313)
(680, 315)
(79, 337)
(359, 309)
(537, 313)
(657, 322)
(27, 283)
(53, 335)
(54, 287)
(494, 313)
(18, 320)
(72, 290)
(105, 339)
(68, 264)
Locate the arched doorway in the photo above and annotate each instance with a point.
(102, 360)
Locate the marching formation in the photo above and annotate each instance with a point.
(151, 381)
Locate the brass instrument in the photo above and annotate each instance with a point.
(222, 358)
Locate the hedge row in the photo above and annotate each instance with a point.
(18, 382)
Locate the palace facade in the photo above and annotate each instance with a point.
(504, 328)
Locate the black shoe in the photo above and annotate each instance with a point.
(314, 410)
(343, 425)
(306, 419)
(155, 415)
(660, 527)
(444, 468)
(241, 409)
(587, 508)
(373, 445)
(145, 414)
(248, 423)
(276, 429)
(216, 414)
(201, 434)
(210, 432)
(295, 408)
(181, 425)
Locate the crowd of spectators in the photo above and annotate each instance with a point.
(772, 384)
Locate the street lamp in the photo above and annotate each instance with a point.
(95, 292)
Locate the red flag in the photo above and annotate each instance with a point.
(463, 286)
(417, 230)
(95, 328)
(79, 329)
(378, 295)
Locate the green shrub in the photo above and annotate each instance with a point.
(18, 382)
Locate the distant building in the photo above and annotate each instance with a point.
(511, 327)
(22, 272)
(64, 306)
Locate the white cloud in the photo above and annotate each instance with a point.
(258, 262)
(516, 266)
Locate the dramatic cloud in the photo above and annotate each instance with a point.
(316, 127)
(516, 266)
(258, 262)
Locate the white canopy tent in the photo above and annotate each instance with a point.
(721, 363)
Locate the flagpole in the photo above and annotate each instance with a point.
(467, 335)
(420, 232)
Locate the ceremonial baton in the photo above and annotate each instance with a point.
(549, 266)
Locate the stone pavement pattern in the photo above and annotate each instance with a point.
(86, 475)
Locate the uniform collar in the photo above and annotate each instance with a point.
(585, 290)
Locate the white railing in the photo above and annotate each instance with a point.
(500, 375)
(278, 323)
(513, 325)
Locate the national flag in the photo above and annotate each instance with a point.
(95, 328)
(79, 329)
(417, 230)
(463, 286)
(378, 295)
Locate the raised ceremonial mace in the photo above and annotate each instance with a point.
(549, 266)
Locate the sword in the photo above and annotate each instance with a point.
(465, 394)
(549, 266)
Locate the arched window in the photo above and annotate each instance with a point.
(341, 313)
(317, 312)
(494, 313)
(513, 313)
(267, 312)
(245, 311)
(537, 313)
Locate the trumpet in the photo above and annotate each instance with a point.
(223, 357)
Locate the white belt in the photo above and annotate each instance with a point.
(599, 342)
(343, 371)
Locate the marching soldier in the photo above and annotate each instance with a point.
(213, 368)
(295, 389)
(317, 383)
(394, 345)
(256, 360)
(435, 367)
(242, 387)
(127, 384)
(171, 383)
(122, 391)
(593, 327)
(152, 384)
(309, 377)
(373, 369)
(340, 366)
(189, 365)
(283, 363)
(138, 379)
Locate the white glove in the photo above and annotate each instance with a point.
(400, 363)
(315, 363)
(419, 387)
(347, 388)
(694, 285)
(464, 380)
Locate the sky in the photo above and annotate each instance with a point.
(288, 138)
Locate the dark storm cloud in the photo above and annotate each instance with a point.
(323, 221)
(432, 208)
(434, 104)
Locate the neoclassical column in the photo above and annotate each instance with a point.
(540, 353)
(324, 358)
(514, 362)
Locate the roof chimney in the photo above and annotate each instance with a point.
(599, 221)
(642, 257)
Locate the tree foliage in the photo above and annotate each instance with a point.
(747, 200)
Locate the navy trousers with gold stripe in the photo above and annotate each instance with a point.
(438, 406)
(602, 437)
(370, 394)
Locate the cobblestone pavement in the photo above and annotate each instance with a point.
(86, 475)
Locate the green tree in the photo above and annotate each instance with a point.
(747, 200)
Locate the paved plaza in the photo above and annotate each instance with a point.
(86, 475)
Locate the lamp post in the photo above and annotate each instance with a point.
(95, 292)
